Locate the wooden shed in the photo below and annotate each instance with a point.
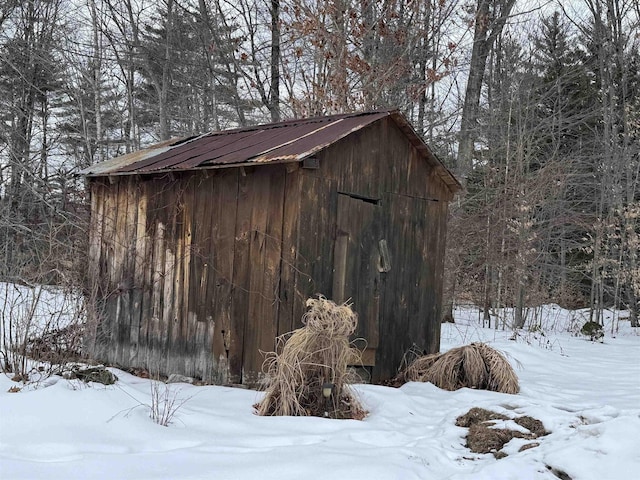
(203, 250)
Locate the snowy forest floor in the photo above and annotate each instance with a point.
(587, 395)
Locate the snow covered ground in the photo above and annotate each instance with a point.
(586, 394)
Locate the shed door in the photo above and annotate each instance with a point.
(356, 275)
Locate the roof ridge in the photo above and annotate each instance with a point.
(298, 121)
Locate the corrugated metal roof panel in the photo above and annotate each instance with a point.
(110, 166)
(291, 140)
(173, 159)
(268, 140)
(321, 138)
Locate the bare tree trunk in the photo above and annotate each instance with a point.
(274, 92)
(230, 63)
(490, 19)
(163, 84)
(518, 321)
(339, 61)
(97, 79)
(425, 53)
(487, 266)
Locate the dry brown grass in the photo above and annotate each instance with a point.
(473, 366)
(309, 357)
(482, 437)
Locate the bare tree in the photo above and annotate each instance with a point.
(489, 20)
(613, 33)
(274, 94)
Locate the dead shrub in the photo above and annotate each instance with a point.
(473, 366)
(58, 346)
(166, 401)
(311, 359)
(420, 366)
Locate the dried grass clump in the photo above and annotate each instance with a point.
(310, 357)
(418, 368)
(473, 366)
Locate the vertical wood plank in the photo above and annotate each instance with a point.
(240, 295)
(185, 345)
(119, 262)
(316, 233)
(221, 292)
(201, 260)
(290, 235)
(173, 314)
(356, 257)
(156, 226)
(130, 324)
(112, 303)
(340, 266)
(265, 254)
(393, 304)
(308, 245)
(144, 273)
(254, 320)
(172, 247)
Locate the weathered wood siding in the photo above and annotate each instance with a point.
(198, 273)
(188, 270)
(381, 172)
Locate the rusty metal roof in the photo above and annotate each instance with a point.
(290, 141)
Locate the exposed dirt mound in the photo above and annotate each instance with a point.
(534, 425)
(478, 415)
(482, 438)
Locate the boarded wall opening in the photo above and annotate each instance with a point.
(356, 273)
